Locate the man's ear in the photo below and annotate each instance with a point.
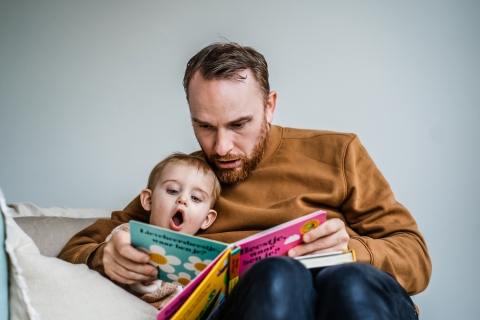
(270, 106)
(209, 219)
(146, 199)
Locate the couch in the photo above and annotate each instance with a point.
(40, 286)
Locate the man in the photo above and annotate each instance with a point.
(271, 175)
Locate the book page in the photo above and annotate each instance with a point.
(211, 292)
(278, 240)
(178, 257)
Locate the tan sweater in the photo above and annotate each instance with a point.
(302, 171)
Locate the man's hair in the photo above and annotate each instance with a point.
(224, 60)
(191, 160)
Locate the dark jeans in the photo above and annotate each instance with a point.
(282, 288)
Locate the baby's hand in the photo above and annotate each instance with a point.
(124, 263)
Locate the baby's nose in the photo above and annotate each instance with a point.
(181, 200)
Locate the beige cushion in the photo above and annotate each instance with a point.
(50, 234)
(60, 290)
(44, 287)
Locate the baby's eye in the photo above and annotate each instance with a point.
(172, 191)
(196, 199)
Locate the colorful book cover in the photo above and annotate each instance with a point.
(178, 257)
(278, 240)
(190, 290)
(211, 292)
(209, 269)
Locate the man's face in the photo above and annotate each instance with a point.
(230, 119)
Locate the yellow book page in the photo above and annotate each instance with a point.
(208, 294)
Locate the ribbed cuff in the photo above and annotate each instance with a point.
(92, 255)
(362, 253)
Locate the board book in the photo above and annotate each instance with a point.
(209, 269)
(327, 259)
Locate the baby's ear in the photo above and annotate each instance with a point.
(146, 199)
(209, 219)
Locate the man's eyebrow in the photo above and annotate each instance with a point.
(241, 119)
(238, 120)
(200, 121)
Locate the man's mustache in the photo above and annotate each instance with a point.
(227, 157)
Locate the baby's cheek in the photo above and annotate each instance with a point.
(157, 221)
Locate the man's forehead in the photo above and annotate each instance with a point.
(224, 100)
(245, 82)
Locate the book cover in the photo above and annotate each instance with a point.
(170, 310)
(209, 269)
(211, 292)
(178, 256)
(276, 241)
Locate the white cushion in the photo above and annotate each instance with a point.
(49, 288)
(19, 306)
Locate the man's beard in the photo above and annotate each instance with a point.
(249, 164)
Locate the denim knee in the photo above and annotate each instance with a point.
(360, 291)
(354, 279)
(273, 288)
(279, 270)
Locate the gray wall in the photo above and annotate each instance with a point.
(91, 99)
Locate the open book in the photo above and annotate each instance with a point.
(209, 269)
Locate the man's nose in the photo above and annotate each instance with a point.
(223, 143)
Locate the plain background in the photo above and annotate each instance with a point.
(91, 99)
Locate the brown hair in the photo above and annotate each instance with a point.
(223, 60)
(191, 160)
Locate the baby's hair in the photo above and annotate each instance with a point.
(188, 160)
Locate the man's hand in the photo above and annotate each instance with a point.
(125, 264)
(328, 237)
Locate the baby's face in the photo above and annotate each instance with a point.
(182, 198)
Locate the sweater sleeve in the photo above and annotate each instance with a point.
(385, 233)
(87, 245)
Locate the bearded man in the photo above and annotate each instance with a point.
(271, 175)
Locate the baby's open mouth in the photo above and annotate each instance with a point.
(177, 219)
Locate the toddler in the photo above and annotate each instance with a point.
(180, 195)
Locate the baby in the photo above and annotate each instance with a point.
(180, 195)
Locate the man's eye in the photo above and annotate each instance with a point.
(205, 126)
(195, 199)
(239, 125)
(172, 191)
